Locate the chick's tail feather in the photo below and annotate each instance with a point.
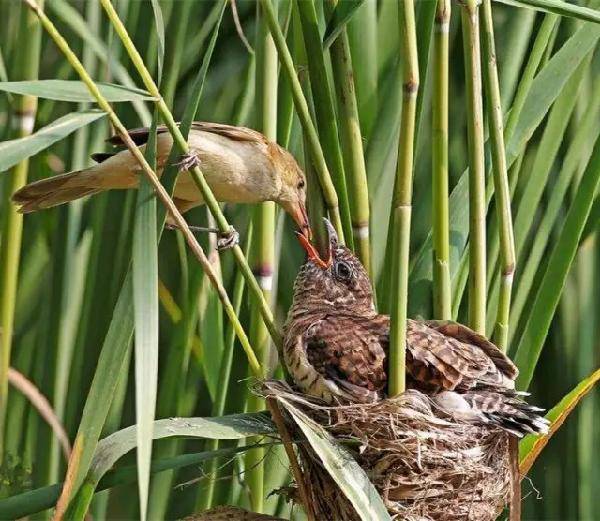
(59, 189)
(503, 408)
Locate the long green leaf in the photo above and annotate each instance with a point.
(231, 427)
(34, 501)
(112, 357)
(559, 263)
(342, 467)
(15, 150)
(145, 306)
(570, 9)
(339, 18)
(531, 446)
(109, 450)
(74, 91)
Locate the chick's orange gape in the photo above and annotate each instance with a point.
(239, 164)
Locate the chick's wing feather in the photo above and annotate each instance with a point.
(348, 351)
(448, 357)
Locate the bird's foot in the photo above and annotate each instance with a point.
(188, 161)
(228, 239)
(225, 241)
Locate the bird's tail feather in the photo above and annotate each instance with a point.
(504, 408)
(507, 409)
(55, 190)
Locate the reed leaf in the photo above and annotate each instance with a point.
(559, 262)
(557, 7)
(16, 150)
(73, 91)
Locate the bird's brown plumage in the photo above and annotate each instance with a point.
(335, 348)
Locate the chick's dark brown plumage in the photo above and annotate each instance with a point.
(335, 348)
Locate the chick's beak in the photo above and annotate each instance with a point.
(297, 211)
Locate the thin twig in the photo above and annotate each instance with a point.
(28, 389)
(289, 449)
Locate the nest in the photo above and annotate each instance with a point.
(425, 465)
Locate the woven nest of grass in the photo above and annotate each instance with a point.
(425, 465)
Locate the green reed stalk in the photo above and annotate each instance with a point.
(312, 138)
(353, 145)
(263, 254)
(534, 61)
(477, 201)
(196, 172)
(10, 253)
(402, 201)
(501, 188)
(324, 109)
(442, 292)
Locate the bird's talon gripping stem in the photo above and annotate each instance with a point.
(188, 161)
(228, 239)
(225, 241)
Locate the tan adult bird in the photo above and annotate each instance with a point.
(239, 164)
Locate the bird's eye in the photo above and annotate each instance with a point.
(343, 271)
(301, 184)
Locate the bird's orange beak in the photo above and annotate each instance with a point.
(312, 252)
(297, 211)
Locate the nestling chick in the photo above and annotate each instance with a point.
(239, 164)
(335, 348)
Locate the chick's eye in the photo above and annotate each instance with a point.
(301, 184)
(343, 271)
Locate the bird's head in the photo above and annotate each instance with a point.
(338, 281)
(292, 192)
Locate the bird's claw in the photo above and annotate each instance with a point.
(228, 239)
(188, 161)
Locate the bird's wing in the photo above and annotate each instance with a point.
(140, 135)
(466, 335)
(450, 356)
(349, 352)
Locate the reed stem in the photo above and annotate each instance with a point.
(353, 145)
(402, 201)
(325, 115)
(263, 254)
(501, 187)
(312, 138)
(442, 293)
(477, 200)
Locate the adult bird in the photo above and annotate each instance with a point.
(335, 347)
(239, 164)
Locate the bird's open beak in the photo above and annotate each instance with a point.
(298, 212)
